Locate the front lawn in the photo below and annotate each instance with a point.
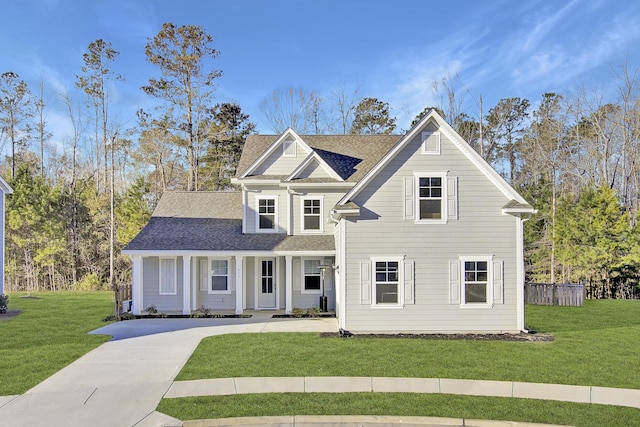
(597, 345)
(49, 334)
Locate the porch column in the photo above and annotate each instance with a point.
(136, 284)
(240, 285)
(186, 284)
(288, 285)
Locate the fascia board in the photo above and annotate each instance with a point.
(314, 156)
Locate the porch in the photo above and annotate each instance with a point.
(232, 283)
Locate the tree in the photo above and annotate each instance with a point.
(343, 108)
(93, 82)
(181, 54)
(227, 132)
(293, 108)
(372, 117)
(16, 109)
(505, 125)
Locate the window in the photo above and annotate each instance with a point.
(219, 276)
(167, 276)
(311, 276)
(267, 214)
(386, 283)
(430, 197)
(289, 148)
(312, 215)
(476, 282)
(431, 142)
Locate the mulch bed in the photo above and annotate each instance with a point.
(10, 313)
(477, 337)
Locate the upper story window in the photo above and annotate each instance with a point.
(430, 198)
(312, 214)
(289, 148)
(267, 214)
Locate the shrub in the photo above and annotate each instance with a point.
(297, 312)
(4, 303)
(152, 310)
(90, 282)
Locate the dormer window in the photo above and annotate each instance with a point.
(289, 148)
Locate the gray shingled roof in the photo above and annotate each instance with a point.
(212, 221)
(351, 156)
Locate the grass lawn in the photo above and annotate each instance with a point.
(404, 404)
(49, 334)
(597, 344)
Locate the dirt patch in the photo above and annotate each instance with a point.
(475, 337)
(10, 313)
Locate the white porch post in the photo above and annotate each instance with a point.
(288, 284)
(136, 284)
(186, 284)
(240, 285)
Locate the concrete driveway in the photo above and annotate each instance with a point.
(121, 382)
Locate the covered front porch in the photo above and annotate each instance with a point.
(179, 282)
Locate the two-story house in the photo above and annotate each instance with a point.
(401, 233)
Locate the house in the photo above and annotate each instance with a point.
(411, 233)
(4, 189)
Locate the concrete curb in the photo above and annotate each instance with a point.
(560, 392)
(353, 421)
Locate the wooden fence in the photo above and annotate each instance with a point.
(567, 294)
(123, 294)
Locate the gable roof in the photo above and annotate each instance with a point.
(350, 156)
(212, 221)
(457, 140)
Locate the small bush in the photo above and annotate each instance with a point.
(152, 310)
(90, 282)
(202, 311)
(4, 303)
(297, 312)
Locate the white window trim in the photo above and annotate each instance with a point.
(275, 214)
(302, 215)
(425, 136)
(400, 261)
(210, 275)
(175, 276)
(302, 276)
(284, 149)
(443, 202)
(489, 261)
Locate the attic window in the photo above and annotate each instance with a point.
(289, 148)
(431, 142)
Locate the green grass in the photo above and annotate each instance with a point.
(405, 404)
(597, 345)
(50, 333)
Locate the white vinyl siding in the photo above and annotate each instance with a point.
(168, 276)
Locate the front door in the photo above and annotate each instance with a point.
(267, 283)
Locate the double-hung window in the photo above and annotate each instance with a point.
(219, 276)
(477, 280)
(430, 197)
(267, 214)
(168, 276)
(386, 275)
(312, 214)
(311, 276)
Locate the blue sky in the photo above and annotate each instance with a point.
(391, 50)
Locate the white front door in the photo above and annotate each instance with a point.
(267, 283)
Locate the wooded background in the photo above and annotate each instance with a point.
(573, 156)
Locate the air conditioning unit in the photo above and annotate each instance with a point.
(126, 306)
